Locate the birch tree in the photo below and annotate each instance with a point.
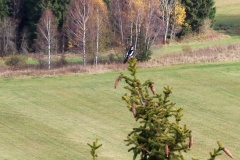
(99, 24)
(127, 18)
(167, 6)
(78, 15)
(7, 36)
(118, 14)
(24, 41)
(47, 33)
(153, 22)
(7, 30)
(150, 29)
(59, 8)
(138, 8)
(138, 24)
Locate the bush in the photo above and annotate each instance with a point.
(105, 59)
(42, 63)
(206, 26)
(16, 61)
(111, 57)
(62, 62)
(100, 59)
(144, 54)
(115, 58)
(185, 30)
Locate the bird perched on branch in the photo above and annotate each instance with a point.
(129, 54)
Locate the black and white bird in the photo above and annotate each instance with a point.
(129, 54)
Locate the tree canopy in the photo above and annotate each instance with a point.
(197, 11)
(120, 23)
(3, 8)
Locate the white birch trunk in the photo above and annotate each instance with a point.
(137, 29)
(84, 44)
(166, 30)
(167, 7)
(120, 22)
(84, 33)
(131, 36)
(49, 43)
(97, 39)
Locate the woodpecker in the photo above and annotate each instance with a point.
(129, 54)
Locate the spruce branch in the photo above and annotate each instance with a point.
(160, 135)
(94, 147)
(217, 152)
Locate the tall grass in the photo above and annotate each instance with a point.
(209, 54)
(177, 48)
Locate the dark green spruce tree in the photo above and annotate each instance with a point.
(3, 9)
(107, 2)
(58, 7)
(196, 12)
(30, 15)
(160, 134)
(143, 47)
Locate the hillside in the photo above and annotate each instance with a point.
(55, 117)
(227, 12)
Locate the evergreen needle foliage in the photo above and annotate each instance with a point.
(94, 147)
(160, 135)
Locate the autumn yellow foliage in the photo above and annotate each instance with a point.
(180, 14)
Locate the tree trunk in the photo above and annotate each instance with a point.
(120, 21)
(49, 44)
(131, 38)
(97, 39)
(166, 30)
(84, 44)
(84, 33)
(136, 32)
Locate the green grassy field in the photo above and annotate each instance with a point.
(227, 12)
(54, 118)
(177, 48)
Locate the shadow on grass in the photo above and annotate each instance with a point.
(229, 25)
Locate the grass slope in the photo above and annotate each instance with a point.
(227, 12)
(55, 117)
(177, 48)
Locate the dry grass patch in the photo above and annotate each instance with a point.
(221, 53)
(69, 69)
(230, 52)
(207, 34)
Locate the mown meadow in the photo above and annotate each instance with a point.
(54, 117)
